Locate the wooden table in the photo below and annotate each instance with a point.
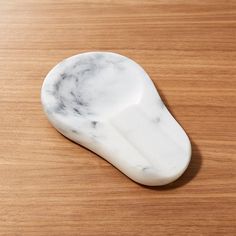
(51, 186)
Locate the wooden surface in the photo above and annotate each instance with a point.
(51, 186)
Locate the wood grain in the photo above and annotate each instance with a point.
(51, 186)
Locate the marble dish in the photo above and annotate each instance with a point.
(107, 103)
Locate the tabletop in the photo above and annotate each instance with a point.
(52, 186)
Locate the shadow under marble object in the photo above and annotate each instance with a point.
(108, 103)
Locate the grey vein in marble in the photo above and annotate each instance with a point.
(107, 103)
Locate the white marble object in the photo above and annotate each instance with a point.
(107, 103)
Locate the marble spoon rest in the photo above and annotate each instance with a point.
(107, 103)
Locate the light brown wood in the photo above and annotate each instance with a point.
(52, 186)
